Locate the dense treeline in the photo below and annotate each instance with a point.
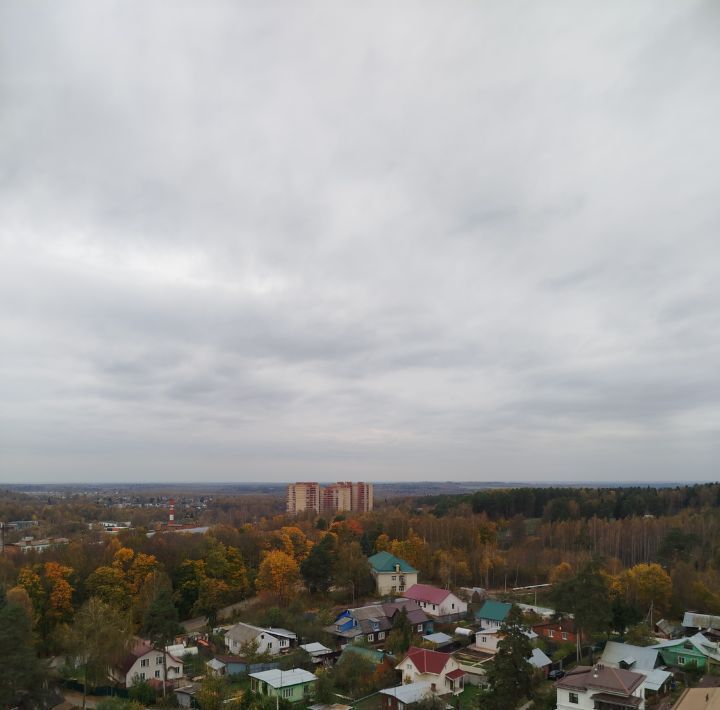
(570, 503)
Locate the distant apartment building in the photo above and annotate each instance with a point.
(303, 496)
(333, 498)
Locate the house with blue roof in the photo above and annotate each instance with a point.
(392, 575)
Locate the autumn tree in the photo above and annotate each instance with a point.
(22, 674)
(161, 626)
(278, 575)
(317, 567)
(587, 596)
(400, 637)
(352, 571)
(98, 639)
(647, 584)
(109, 584)
(510, 673)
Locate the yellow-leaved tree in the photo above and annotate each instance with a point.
(278, 575)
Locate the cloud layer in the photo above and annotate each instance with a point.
(408, 240)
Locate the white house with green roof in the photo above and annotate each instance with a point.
(295, 686)
(392, 575)
(492, 613)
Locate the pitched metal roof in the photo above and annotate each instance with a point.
(410, 693)
(283, 679)
(493, 610)
(427, 593)
(692, 620)
(637, 658)
(601, 678)
(426, 661)
(385, 562)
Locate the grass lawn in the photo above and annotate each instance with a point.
(468, 698)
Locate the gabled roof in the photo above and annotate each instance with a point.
(539, 659)
(426, 661)
(439, 638)
(385, 562)
(493, 610)
(315, 647)
(283, 679)
(637, 658)
(415, 614)
(410, 693)
(242, 633)
(699, 642)
(427, 593)
(140, 649)
(601, 678)
(693, 620)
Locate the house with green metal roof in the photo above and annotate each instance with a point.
(697, 650)
(492, 613)
(391, 574)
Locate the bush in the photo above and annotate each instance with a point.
(143, 693)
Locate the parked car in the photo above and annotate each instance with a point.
(556, 674)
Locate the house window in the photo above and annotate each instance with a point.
(157, 674)
(409, 666)
(551, 633)
(394, 578)
(287, 692)
(371, 637)
(142, 676)
(158, 660)
(564, 635)
(145, 662)
(681, 660)
(452, 606)
(484, 639)
(381, 636)
(419, 627)
(433, 607)
(573, 698)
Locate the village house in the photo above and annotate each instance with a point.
(375, 621)
(318, 653)
(295, 685)
(143, 662)
(558, 630)
(391, 574)
(492, 613)
(403, 696)
(600, 688)
(693, 622)
(696, 651)
(441, 604)
(271, 641)
(486, 640)
(441, 669)
(640, 659)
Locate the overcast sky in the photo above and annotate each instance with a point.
(445, 240)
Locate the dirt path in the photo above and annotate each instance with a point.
(199, 623)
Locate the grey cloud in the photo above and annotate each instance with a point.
(413, 241)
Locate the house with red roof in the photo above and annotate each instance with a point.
(144, 662)
(441, 604)
(441, 670)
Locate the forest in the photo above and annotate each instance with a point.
(652, 550)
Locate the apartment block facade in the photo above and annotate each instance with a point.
(332, 498)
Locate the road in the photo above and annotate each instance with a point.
(199, 623)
